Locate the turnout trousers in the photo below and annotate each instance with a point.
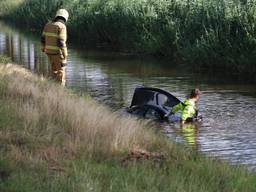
(57, 71)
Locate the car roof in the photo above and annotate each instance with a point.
(153, 96)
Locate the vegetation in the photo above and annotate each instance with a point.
(53, 140)
(212, 34)
(8, 6)
(4, 59)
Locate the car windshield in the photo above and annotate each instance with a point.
(153, 96)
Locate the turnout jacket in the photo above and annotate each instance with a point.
(54, 39)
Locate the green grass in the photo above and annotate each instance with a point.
(54, 140)
(211, 34)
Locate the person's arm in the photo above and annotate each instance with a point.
(43, 41)
(62, 43)
(177, 108)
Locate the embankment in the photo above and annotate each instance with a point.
(213, 35)
(53, 140)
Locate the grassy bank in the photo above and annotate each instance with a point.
(53, 140)
(214, 34)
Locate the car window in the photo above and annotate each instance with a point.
(142, 97)
(162, 100)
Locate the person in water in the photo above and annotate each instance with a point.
(186, 109)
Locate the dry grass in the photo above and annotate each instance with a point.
(66, 122)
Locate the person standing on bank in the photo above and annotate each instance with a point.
(53, 41)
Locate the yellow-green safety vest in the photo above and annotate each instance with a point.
(186, 108)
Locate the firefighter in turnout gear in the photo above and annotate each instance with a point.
(53, 41)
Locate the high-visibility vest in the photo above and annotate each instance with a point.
(54, 38)
(186, 108)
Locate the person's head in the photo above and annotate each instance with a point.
(194, 94)
(62, 14)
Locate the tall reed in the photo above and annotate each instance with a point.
(205, 34)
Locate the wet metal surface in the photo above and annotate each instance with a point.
(228, 130)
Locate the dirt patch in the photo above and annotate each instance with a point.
(140, 155)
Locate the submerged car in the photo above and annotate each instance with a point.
(153, 103)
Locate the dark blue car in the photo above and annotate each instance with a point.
(153, 103)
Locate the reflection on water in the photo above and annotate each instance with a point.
(229, 126)
(188, 133)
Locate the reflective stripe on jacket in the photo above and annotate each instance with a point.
(186, 108)
(54, 38)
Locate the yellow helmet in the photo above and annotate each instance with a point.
(62, 13)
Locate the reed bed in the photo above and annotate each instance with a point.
(212, 34)
(7, 6)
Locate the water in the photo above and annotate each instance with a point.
(229, 127)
